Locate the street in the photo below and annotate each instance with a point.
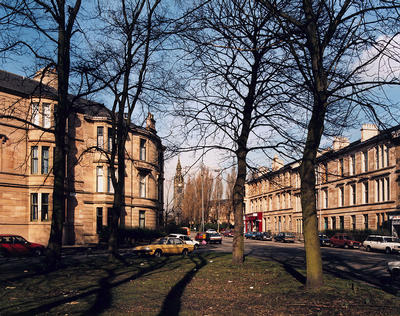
(352, 264)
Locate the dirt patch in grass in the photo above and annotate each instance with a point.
(201, 284)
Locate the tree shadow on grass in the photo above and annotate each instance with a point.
(172, 303)
(103, 292)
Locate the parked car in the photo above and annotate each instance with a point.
(394, 269)
(284, 237)
(200, 237)
(249, 235)
(387, 244)
(228, 233)
(14, 245)
(324, 240)
(186, 239)
(213, 238)
(344, 240)
(165, 245)
(211, 230)
(264, 236)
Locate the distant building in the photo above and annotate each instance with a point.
(26, 155)
(357, 187)
(221, 211)
(179, 185)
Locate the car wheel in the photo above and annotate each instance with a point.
(3, 253)
(38, 252)
(388, 250)
(184, 252)
(346, 246)
(158, 253)
(368, 249)
(220, 242)
(196, 246)
(332, 245)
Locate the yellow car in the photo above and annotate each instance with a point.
(165, 245)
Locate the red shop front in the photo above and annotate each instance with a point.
(253, 222)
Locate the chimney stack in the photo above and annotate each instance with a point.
(368, 131)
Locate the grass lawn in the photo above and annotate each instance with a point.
(200, 284)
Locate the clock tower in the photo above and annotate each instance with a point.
(178, 192)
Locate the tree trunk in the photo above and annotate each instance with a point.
(238, 197)
(307, 175)
(59, 160)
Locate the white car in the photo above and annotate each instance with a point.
(186, 239)
(394, 269)
(387, 244)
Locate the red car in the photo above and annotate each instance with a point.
(14, 245)
(344, 240)
(200, 237)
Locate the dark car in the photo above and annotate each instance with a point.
(213, 238)
(324, 240)
(263, 236)
(14, 245)
(284, 237)
(249, 235)
(228, 233)
(344, 240)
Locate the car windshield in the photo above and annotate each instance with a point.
(160, 241)
(19, 239)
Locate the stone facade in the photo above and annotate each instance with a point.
(357, 187)
(26, 154)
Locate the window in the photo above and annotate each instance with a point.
(34, 207)
(45, 160)
(45, 207)
(365, 161)
(142, 186)
(353, 222)
(382, 190)
(326, 226)
(34, 160)
(142, 219)
(109, 216)
(341, 167)
(352, 164)
(366, 221)
(110, 139)
(341, 196)
(325, 198)
(333, 218)
(100, 136)
(99, 179)
(110, 187)
(353, 196)
(142, 149)
(365, 193)
(99, 219)
(46, 115)
(341, 222)
(377, 157)
(325, 173)
(387, 155)
(35, 113)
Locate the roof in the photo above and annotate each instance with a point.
(24, 87)
(393, 132)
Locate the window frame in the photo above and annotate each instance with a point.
(34, 160)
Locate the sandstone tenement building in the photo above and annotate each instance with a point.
(357, 187)
(26, 153)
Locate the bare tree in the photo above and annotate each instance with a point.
(328, 42)
(234, 92)
(56, 23)
(124, 69)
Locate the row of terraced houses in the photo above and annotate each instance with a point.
(357, 187)
(26, 153)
